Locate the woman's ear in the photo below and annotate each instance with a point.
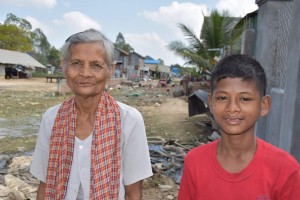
(265, 105)
(63, 68)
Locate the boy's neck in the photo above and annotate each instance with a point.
(234, 153)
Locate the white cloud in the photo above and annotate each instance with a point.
(237, 8)
(38, 24)
(153, 45)
(189, 14)
(76, 21)
(30, 3)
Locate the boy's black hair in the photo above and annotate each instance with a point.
(240, 66)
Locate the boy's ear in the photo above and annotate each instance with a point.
(265, 105)
(210, 102)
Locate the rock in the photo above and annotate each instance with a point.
(170, 197)
(178, 92)
(13, 182)
(10, 194)
(165, 187)
(20, 165)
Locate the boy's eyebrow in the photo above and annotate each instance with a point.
(243, 92)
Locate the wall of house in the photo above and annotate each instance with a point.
(2, 71)
(290, 129)
(277, 49)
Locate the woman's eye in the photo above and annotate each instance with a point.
(96, 66)
(76, 63)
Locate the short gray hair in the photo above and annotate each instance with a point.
(88, 36)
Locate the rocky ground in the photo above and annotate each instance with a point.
(23, 101)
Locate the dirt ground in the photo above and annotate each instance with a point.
(23, 101)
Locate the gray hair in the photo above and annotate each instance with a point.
(88, 36)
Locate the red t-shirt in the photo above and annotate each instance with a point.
(272, 174)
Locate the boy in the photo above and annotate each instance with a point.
(239, 166)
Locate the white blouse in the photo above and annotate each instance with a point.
(135, 158)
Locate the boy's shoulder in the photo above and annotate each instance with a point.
(278, 157)
(201, 152)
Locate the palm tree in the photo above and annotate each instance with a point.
(219, 31)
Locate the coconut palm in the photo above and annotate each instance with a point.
(219, 32)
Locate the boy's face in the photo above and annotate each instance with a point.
(236, 105)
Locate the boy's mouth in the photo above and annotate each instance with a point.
(233, 120)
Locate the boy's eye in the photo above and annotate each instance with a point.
(245, 99)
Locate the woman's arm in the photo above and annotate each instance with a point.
(41, 191)
(134, 191)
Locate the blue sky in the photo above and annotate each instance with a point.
(147, 25)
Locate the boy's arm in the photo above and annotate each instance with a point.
(291, 187)
(187, 189)
(133, 191)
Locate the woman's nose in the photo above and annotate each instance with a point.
(85, 70)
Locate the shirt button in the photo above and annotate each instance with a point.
(80, 147)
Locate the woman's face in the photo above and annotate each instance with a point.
(86, 71)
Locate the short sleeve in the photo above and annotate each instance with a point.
(135, 152)
(39, 164)
(187, 188)
(291, 187)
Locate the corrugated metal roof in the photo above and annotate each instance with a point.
(18, 58)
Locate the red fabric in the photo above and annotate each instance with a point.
(272, 174)
(105, 153)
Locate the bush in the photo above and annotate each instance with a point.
(39, 74)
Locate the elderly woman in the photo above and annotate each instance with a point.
(90, 146)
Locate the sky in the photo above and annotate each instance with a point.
(147, 25)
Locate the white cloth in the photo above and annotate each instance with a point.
(135, 158)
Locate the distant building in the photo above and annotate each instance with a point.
(156, 69)
(14, 64)
(135, 67)
(122, 65)
(175, 71)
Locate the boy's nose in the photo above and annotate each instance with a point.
(233, 106)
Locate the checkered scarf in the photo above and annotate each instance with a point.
(105, 153)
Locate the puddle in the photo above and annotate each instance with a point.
(20, 127)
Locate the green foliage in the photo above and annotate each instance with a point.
(41, 46)
(219, 31)
(16, 35)
(54, 57)
(14, 38)
(19, 22)
(39, 74)
(121, 44)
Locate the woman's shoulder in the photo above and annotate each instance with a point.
(129, 112)
(51, 112)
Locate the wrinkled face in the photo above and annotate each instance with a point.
(86, 71)
(236, 105)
